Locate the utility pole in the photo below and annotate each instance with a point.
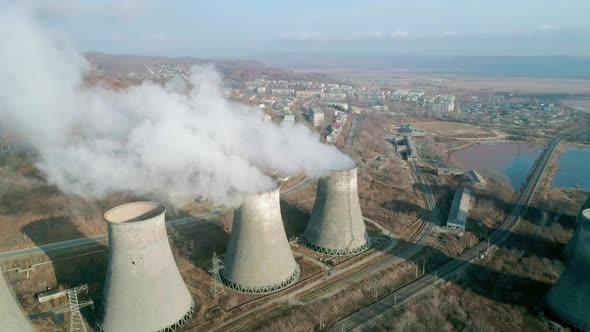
(424, 265)
(216, 266)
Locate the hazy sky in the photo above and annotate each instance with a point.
(240, 28)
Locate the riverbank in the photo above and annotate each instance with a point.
(565, 196)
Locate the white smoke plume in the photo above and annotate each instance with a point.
(147, 139)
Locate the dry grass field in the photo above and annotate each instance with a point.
(455, 129)
(465, 84)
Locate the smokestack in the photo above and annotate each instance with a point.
(11, 316)
(258, 257)
(569, 298)
(143, 290)
(336, 226)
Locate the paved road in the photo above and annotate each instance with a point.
(360, 319)
(102, 239)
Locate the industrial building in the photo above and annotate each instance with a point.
(476, 179)
(336, 225)
(258, 257)
(459, 209)
(11, 316)
(569, 298)
(143, 290)
(289, 118)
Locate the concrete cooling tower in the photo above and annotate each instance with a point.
(143, 290)
(258, 257)
(569, 298)
(11, 316)
(336, 226)
(569, 248)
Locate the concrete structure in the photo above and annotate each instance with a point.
(289, 118)
(569, 248)
(258, 257)
(460, 209)
(308, 93)
(143, 290)
(50, 295)
(336, 226)
(282, 92)
(476, 179)
(316, 116)
(569, 298)
(11, 316)
(333, 96)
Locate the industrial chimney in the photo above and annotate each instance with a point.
(258, 257)
(11, 316)
(143, 290)
(569, 298)
(336, 226)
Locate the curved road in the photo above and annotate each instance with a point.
(364, 316)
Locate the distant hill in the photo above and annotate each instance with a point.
(138, 67)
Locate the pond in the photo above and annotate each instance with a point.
(573, 169)
(512, 160)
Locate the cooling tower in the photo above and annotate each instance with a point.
(569, 298)
(11, 316)
(569, 247)
(336, 226)
(143, 290)
(258, 257)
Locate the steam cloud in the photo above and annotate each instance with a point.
(147, 138)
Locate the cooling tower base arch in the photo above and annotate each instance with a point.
(263, 289)
(337, 252)
(172, 328)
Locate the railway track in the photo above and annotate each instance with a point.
(353, 130)
(360, 318)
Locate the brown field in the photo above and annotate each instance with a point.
(466, 83)
(455, 129)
